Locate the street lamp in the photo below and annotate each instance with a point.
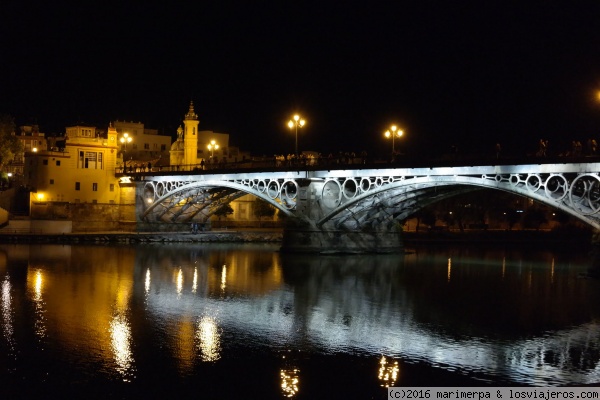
(124, 140)
(212, 146)
(393, 133)
(297, 122)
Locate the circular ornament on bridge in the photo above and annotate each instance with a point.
(379, 181)
(289, 189)
(170, 186)
(160, 189)
(331, 195)
(365, 184)
(514, 179)
(273, 189)
(149, 190)
(584, 194)
(556, 187)
(261, 185)
(349, 188)
(533, 182)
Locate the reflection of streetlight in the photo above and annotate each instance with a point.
(297, 122)
(212, 146)
(124, 140)
(393, 134)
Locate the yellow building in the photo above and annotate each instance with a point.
(82, 172)
(146, 144)
(193, 146)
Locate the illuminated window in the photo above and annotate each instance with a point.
(90, 160)
(112, 187)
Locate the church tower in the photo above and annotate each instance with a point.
(190, 137)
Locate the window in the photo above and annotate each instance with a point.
(146, 146)
(112, 187)
(77, 185)
(90, 160)
(163, 147)
(94, 187)
(58, 163)
(45, 162)
(52, 181)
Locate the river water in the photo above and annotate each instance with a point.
(244, 321)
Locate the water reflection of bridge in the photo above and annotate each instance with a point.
(372, 305)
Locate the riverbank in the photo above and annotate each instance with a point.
(224, 236)
(571, 239)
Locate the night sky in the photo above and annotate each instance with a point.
(468, 73)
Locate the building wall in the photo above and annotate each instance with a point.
(83, 173)
(146, 143)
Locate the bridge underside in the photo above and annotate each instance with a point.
(362, 211)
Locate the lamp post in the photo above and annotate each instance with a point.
(212, 146)
(296, 122)
(393, 133)
(124, 140)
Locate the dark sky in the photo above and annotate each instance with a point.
(470, 73)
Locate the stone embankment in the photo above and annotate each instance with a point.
(147, 237)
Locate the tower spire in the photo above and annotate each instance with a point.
(191, 114)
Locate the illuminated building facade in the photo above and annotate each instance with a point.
(192, 145)
(146, 144)
(81, 172)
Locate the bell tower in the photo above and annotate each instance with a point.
(190, 138)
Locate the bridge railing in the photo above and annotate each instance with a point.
(342, 162)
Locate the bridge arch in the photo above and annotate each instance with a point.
(402, 197)
(189, 198)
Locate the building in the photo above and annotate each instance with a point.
(73, 179)
(81, 172)
(193, 147)
(145, 145)
(33, 140)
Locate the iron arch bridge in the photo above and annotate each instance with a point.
(357, 198)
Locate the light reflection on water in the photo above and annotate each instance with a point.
(501, 316)
(208, 338)
(7, 324)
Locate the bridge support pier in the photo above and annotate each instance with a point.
(303, 234)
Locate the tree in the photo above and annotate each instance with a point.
(10, 145)
(263, 209)
(223, 211)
